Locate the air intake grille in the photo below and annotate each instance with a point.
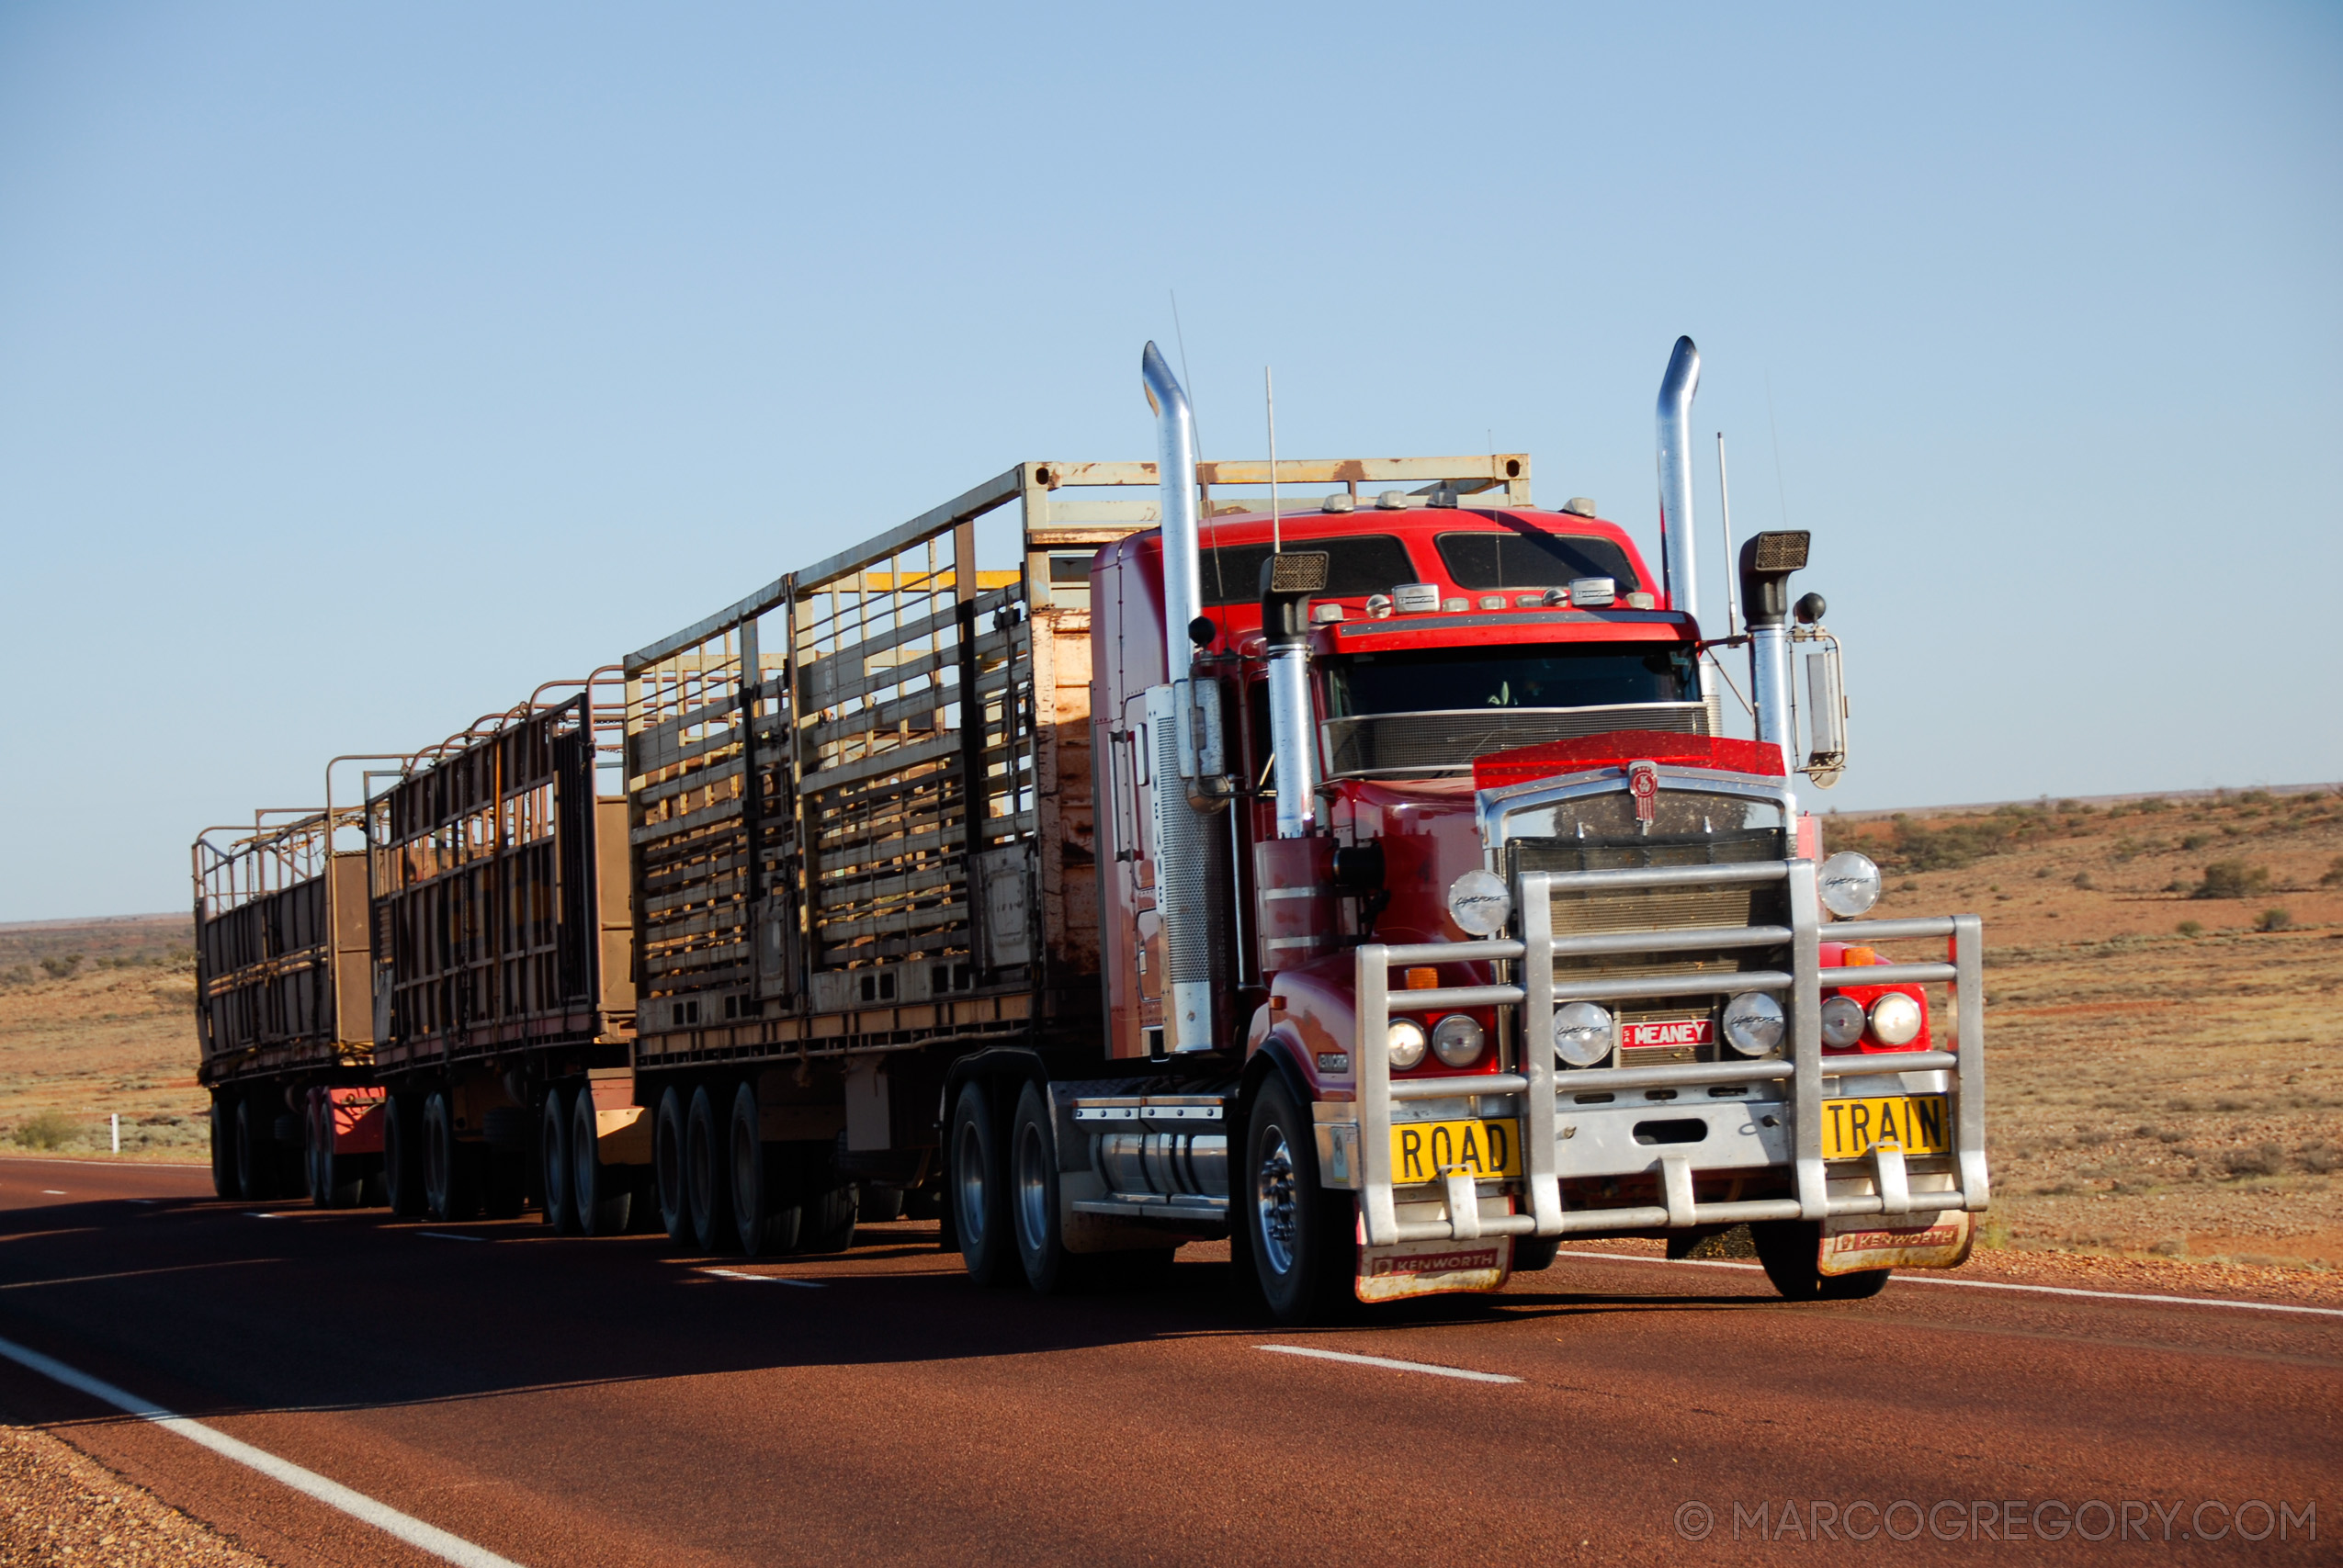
(1447, 742)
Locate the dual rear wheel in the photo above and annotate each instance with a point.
(724, 1187)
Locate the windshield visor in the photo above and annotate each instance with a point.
(1466, 679)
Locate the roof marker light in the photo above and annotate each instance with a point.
(1391, 500)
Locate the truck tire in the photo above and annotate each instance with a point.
(255, 1151)
(554, 1131)
(976, 1178)
(1532, 1253)
(668, 1138)
(604, 1195)
(1791, 1251)
(450, 1170)
(878, 1206)
(1033, 1197)
(403, 1154)
(1298, 1235)
(706, 1171)
(828, 1199)
(223, 1146)
(765, 1182)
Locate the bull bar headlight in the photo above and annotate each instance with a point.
(1583, 1034)
(1479, 903)
(1754, 1023)
(1848, 884)
(1457, 1040)
(1407, 1043)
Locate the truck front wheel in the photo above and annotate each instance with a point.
(1791, 1251)
(1299, 1235)
(978, 1179)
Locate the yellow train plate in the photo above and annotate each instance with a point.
(1426, 1151)
(1913, 1122)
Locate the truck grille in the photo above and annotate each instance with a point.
(1582, 913)
(1446, 742)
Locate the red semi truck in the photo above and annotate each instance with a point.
(1370, 883)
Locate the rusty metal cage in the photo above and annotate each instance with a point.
(498, 889)
(280, 946)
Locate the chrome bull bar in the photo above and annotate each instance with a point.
(1540, 1084)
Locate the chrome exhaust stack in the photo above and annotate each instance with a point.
(1676, 553)
(1766, 564)
(1184, 719)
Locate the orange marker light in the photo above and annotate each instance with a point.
(1423, 979)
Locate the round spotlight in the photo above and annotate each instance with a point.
(1753, 1024)
(1895, 1020)
(1842, 1021)
(1479, 904)
(1407, 1043)
(1583, 1034)
(1457, 1040)
(1849, 884)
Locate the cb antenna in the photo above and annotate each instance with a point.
(1725, 509)
(1269, 395)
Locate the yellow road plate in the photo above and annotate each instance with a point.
(1913, 1122)
(1426, 1150)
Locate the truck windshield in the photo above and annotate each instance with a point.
(1553, 676)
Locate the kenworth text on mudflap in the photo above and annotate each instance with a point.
(1370, 883)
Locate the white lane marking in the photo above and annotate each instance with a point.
(450, 1235)
(1388, 1362)
(53, 1192)
(141, 1200)
(1998, 1285)
(257, 1215)
(333, 1493)
(768, 1279)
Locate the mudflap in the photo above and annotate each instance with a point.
(1434, 1267)
(358, 1120)
(1856, 1244)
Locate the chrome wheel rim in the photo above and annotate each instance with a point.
(968, 1180)
(1033, 1188)
(1275, 1201)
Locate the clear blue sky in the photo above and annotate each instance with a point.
(362, 366)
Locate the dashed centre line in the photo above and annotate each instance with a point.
(1389, 1364)
(767, 1279)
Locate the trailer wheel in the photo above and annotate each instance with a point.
(1299, 1235)
(450, 1173)
(765, 1208)
(877, 1204)
(1033, 1196)
(831, 1205)
(705, 1172)
(255, 1152)
(1791, 1251)
(976, 1178)
(554, 1131)
(667, 1162)
(604, 1195)
(223, 1146)
(403, 1161)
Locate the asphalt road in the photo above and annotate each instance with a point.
(607, 1402)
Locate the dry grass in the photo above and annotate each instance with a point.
(2151, 1092)
(115, 1035)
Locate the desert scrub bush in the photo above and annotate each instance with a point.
(2264, 1159)
(46, 1130)
(2233, 879)
(61, 968)
(2190, 928)
(2083, 880)
(2334, 876)
(2274, 920)
(2194, 842)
